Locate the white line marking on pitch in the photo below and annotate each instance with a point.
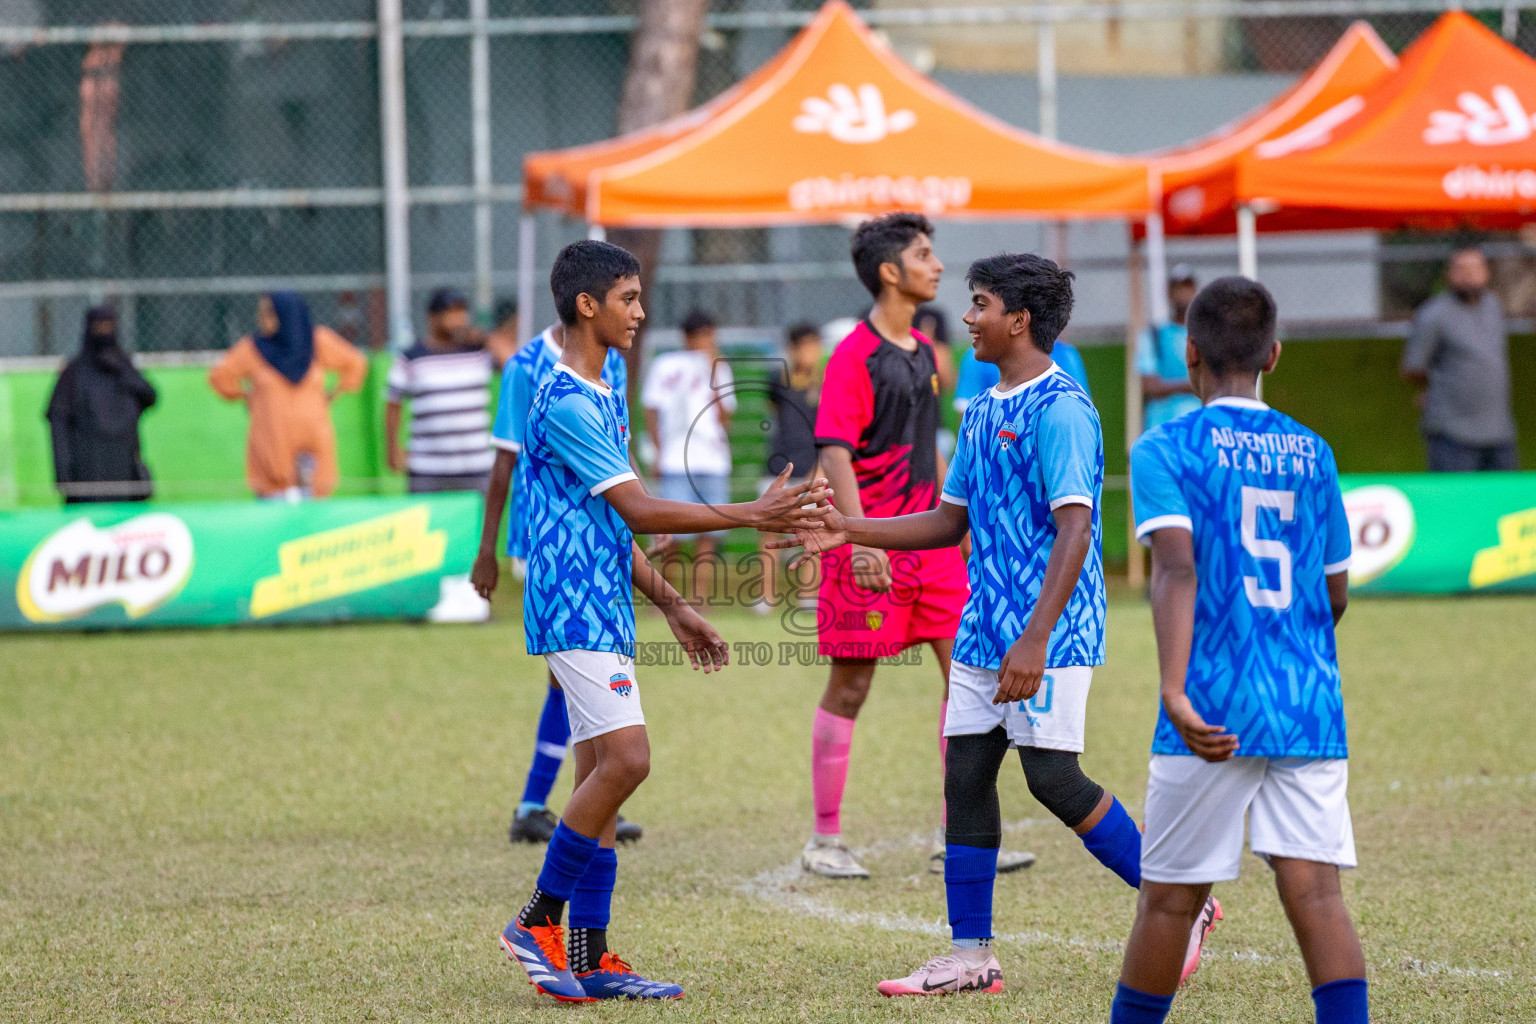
(774, 887)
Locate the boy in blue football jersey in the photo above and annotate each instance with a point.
(1025, 481)
(584, 506)
(521, 379)
(1250, 544)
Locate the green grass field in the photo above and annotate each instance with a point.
(310, 824)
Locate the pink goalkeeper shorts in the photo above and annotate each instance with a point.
(929, 588)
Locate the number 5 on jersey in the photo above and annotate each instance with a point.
(1283, 502)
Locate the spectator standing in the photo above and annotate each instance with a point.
(1458, 353)
(688, 403)
(794, 394)
(1165, 387)
(280, 373)
(447, 379)
(94, 417)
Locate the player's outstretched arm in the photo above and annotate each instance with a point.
(485, 572)
(942, 527)
(781, 509)
(1174, 585)
(1023, 665)
(702, 642)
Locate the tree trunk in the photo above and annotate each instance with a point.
(663, 66)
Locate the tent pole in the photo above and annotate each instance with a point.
(1135, 323)
(597, 233)
(1247, 242)
(527, 236)
(1248, 257)
(1157, 270)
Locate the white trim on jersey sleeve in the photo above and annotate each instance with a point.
(954, 499)
(1071, 499)
(1172, 522)
(613, 481)
(505, 445)
(1338, 567)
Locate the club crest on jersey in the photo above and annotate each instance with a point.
(1006, 436)
(620, 684)
(935, 383)
(874, 619)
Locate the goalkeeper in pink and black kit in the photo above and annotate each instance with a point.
(876, 432)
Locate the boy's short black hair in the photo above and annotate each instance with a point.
(1232, 325)
(803, 329)
(1023, 280)
(697, 320)
(881, 240)
(590, 268)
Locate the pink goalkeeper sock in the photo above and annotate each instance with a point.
(831, 738)
(943, 754)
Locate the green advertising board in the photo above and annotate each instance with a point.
(232, 563)
(1442, 533)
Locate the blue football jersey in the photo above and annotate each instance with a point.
(521, 379)
(1260, 493)
(1021, 455)
(578, 593)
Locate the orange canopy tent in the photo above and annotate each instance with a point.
(1448, 139)
(1196, 184)
(1199, 179)
(835, 126)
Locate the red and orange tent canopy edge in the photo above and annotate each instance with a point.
(1447, 139)
(835, 127)
(1199, 179)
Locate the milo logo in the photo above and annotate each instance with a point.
(140, 563)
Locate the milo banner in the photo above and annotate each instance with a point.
(109, 566)
(1442, 533)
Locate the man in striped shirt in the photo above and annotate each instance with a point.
(446, 377)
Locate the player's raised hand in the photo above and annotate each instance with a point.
(816, 540)
(701, 640)
(1211, 742)
(784, 508)
(1022, 670)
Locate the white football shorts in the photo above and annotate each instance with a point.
(601, 695)
(1053, 719)
(1296, 807)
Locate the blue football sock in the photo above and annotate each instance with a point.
(969, 872)
(1132, 1006)
(593, 894)
(1116, 842)
(565, 861)
(1342, 1002)
(548, 752)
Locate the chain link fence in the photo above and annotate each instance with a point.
(181, 156)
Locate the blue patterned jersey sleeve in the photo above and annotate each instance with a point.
(1067, 436)
(507, 430)
(1158, 499)
(1338, 543)
(957, 480)
(577, 434)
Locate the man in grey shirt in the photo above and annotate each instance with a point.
(1458, 352)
